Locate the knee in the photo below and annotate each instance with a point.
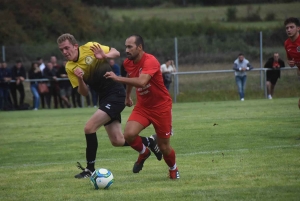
(129, 136)
(164, 147)
(88, 129)
(115, 143)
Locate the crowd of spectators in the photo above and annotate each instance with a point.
(59, 92)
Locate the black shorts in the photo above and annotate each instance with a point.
(272, 79)
(113, 104)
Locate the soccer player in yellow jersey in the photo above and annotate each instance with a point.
(86, 66)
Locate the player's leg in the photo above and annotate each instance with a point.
(115, 134)
(98, 119)
(162, 123)
(135, 124)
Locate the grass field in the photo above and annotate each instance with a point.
(213, 13)
(227, 150)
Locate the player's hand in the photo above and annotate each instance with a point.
(128, 102)
(79, 72)
(98, 52)
(291, 63)
(110, 75)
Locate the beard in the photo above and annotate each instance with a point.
(131, 57)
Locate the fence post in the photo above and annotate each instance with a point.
(262, 83)
(176, 84)
(266, 90)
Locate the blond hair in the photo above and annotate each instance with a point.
(65, 37)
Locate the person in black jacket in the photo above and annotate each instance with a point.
(18, 74)
(274, 63)
(50, 73)
(35, 73)
(5, 77)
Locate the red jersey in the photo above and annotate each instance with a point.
(293, 50)
(154, 96)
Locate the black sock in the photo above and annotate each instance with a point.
(145, 141)
(91, 150)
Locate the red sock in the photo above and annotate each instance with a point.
(170, 159)
(137, 144)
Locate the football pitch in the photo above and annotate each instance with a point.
(229, 150)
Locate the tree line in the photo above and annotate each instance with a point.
(152, 3)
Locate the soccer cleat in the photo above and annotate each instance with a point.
(154, 148)
(174, 174)
(86, 173)
(138, 165)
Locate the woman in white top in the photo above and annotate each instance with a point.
(166, 69)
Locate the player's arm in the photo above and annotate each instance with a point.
(82, 87)
(138, 82)
(290, 60)
(101, 52)
(113, 53)
(128, 100)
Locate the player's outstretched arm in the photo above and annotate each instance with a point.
(99, 53)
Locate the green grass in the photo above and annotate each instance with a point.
(213, 13)
(251, 154)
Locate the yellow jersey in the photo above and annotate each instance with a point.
(93, 68)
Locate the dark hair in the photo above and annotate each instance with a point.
(32, 65)
(18, 61)
(138, 40)
(38, 58)
(241, 54)
(292, 20)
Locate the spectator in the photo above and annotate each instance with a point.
(56, 66)
(241, 65)
(76, 98)
(18, 74)
(41, 64)
(115, 67)
(167, 68)
(94, 97)
(5, 77)
(42, 67)
(35, 73)
(274, 63)
(50, 73)
(64, 86)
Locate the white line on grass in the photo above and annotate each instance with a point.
(186, 154)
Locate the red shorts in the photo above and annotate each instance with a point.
(161, 120)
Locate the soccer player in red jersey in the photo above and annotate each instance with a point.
(153, 106)
(292, 44)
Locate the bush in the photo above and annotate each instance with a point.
(231, 14)
(252, 16)
(271, 16)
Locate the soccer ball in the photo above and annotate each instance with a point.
(102, 178)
